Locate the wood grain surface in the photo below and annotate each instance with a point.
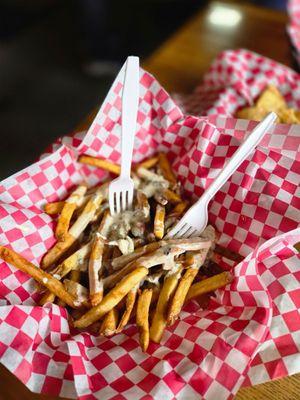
(179, 65)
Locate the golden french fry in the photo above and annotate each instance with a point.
(166, 169)
(253, 113)
(78, 291)
(95, 268)
(225, 252)
(288, 116)
(142, 317)
(68, 210)
(147, 164)
(159, 221)
(112, 298)
(178, 210)
(100, 163)
(51, 283)
(159, 320)
(47, 297)
(74, 262)
(54, 208)
(121, 261)
(60, 248)
(171, 196)
(180, 294)
(75, 275)
(143, 204)
(209, 285)
(110, 322)
(130, 300)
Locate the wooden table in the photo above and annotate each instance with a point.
(179, 65)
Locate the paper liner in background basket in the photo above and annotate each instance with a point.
(293, 28)
(207, 353)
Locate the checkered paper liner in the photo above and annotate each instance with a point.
(293, 27)
(206, 353)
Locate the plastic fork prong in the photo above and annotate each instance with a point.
(123, 200)
(188, 232)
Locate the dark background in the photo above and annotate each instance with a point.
(46, 51)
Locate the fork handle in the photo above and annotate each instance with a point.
(239, 156)
(130, 101)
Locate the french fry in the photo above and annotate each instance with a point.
(228, 253)
(95, 268)
(147, 164)
(54, 208)
(159, 198)
(103, 164)
(75, 275)
(60, 248)
(143, 204)
(142, 317)
(209, 285)
(51, 283)
(178, 210)
(73, 262)
(68, 210)
(78, 291)
(121, 261)
(180, 295)
(112, 298)
(130, 300)
(47, 297)
(171, 196)
(166, 169)
(159, 321)
(160, 256)
(110, 322)
(159, 221)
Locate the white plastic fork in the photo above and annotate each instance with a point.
(195, 219)
(121, 189)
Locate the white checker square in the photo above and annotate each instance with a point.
(162, 391)
(11, 359)
(268, 351)
(237, 360)
(106, 393)
(216, 391)
(137, 374)
(292, 363)
(35, 382)
(111, 372)
(284, 302)
(278, 327)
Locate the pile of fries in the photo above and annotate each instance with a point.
(109, 270)
(270, 100)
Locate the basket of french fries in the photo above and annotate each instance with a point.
(100, 306)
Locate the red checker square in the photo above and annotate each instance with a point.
(227, 376)
(130, 344)
(37, 313)
(149, 363)
(40, 363)
(173, 342)
(173, 358)
(295, 296)
(16, 317)
(97, 382)
(220, 348)
(275, 289)
(229, 228)
(56, 183)
(292, 320)
(147, 80)
(112, 140)
(22, 177)
(22, 293)
(96, 129)
(19, 217)
(5, 271)
(60, 357)
(246, 344)
(291, 143)
(106, 345)
(78, 365)
(161, 96)
(52, 386)
(96, 145)
(217, 162)
(141, 117)
(285, 345)
(200, 381)
(106, 108)
(287, 224)
(174, 114)
(16, 192)
(271, 189)
(223, 213)
(117, 397)
(121, 384)
(40, 178)
(192, 333)
(251, 239)
(14, 234)
(23, 371)
(288, 186)
(261, 214)
(21, 343)
(125, 363)
(254, 283)
(216, 328)
(268, 232)
(276, 369)
(256, 360)
(148, 383)
(280, 206)
(236, 206)
(174, 381)
(197, 354)
(35, 195)
(233, 188)
(38, 221)
(280, 269)
(3, 348)
(295, 202)
(239, 325)
(3, 290)
(68, 374)
(33, 239)
(282, 173)
(147, 397)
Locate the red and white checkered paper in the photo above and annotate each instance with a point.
(207, 354)
(293, 28)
